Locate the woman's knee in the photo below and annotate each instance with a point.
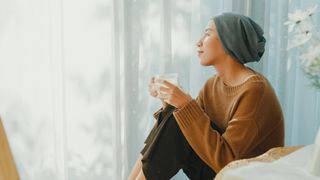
(158, 171)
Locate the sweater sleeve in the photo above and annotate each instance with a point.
(239, 138)
(199, 99)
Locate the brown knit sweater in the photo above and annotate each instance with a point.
(247, 117)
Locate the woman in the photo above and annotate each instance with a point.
(236, 114)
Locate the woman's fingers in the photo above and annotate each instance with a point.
(165, 83)
(152, 89)
(151, 80)
(165, 90)
(163, 96)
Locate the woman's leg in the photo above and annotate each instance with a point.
(198, 169)
(172, 152)
(169, 155)
(137, 168)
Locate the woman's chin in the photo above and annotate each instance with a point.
(204, 63)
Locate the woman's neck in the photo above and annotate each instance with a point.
(232, 73)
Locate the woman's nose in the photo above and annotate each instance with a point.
(199, 43)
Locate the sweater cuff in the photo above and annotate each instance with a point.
(188, 113)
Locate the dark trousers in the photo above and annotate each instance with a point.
(167, 151)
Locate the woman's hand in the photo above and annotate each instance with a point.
(153, 91)
(172, 94)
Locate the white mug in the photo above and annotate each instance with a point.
(171, 77)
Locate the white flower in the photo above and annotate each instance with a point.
(312, 52)
(299, 16)
(311, 61)
(305, 26)
(311, 11)
(313, 68)
(298, 40)
(303, 32)
(295, 18)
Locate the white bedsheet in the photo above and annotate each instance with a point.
(291, 167)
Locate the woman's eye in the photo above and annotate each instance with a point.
(206, 34)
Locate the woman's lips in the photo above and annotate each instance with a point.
(199, 53)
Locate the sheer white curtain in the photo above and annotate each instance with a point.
(55, 90)
(74, 74)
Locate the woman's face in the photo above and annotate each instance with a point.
(210, 49)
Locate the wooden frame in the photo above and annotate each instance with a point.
(8, 170)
